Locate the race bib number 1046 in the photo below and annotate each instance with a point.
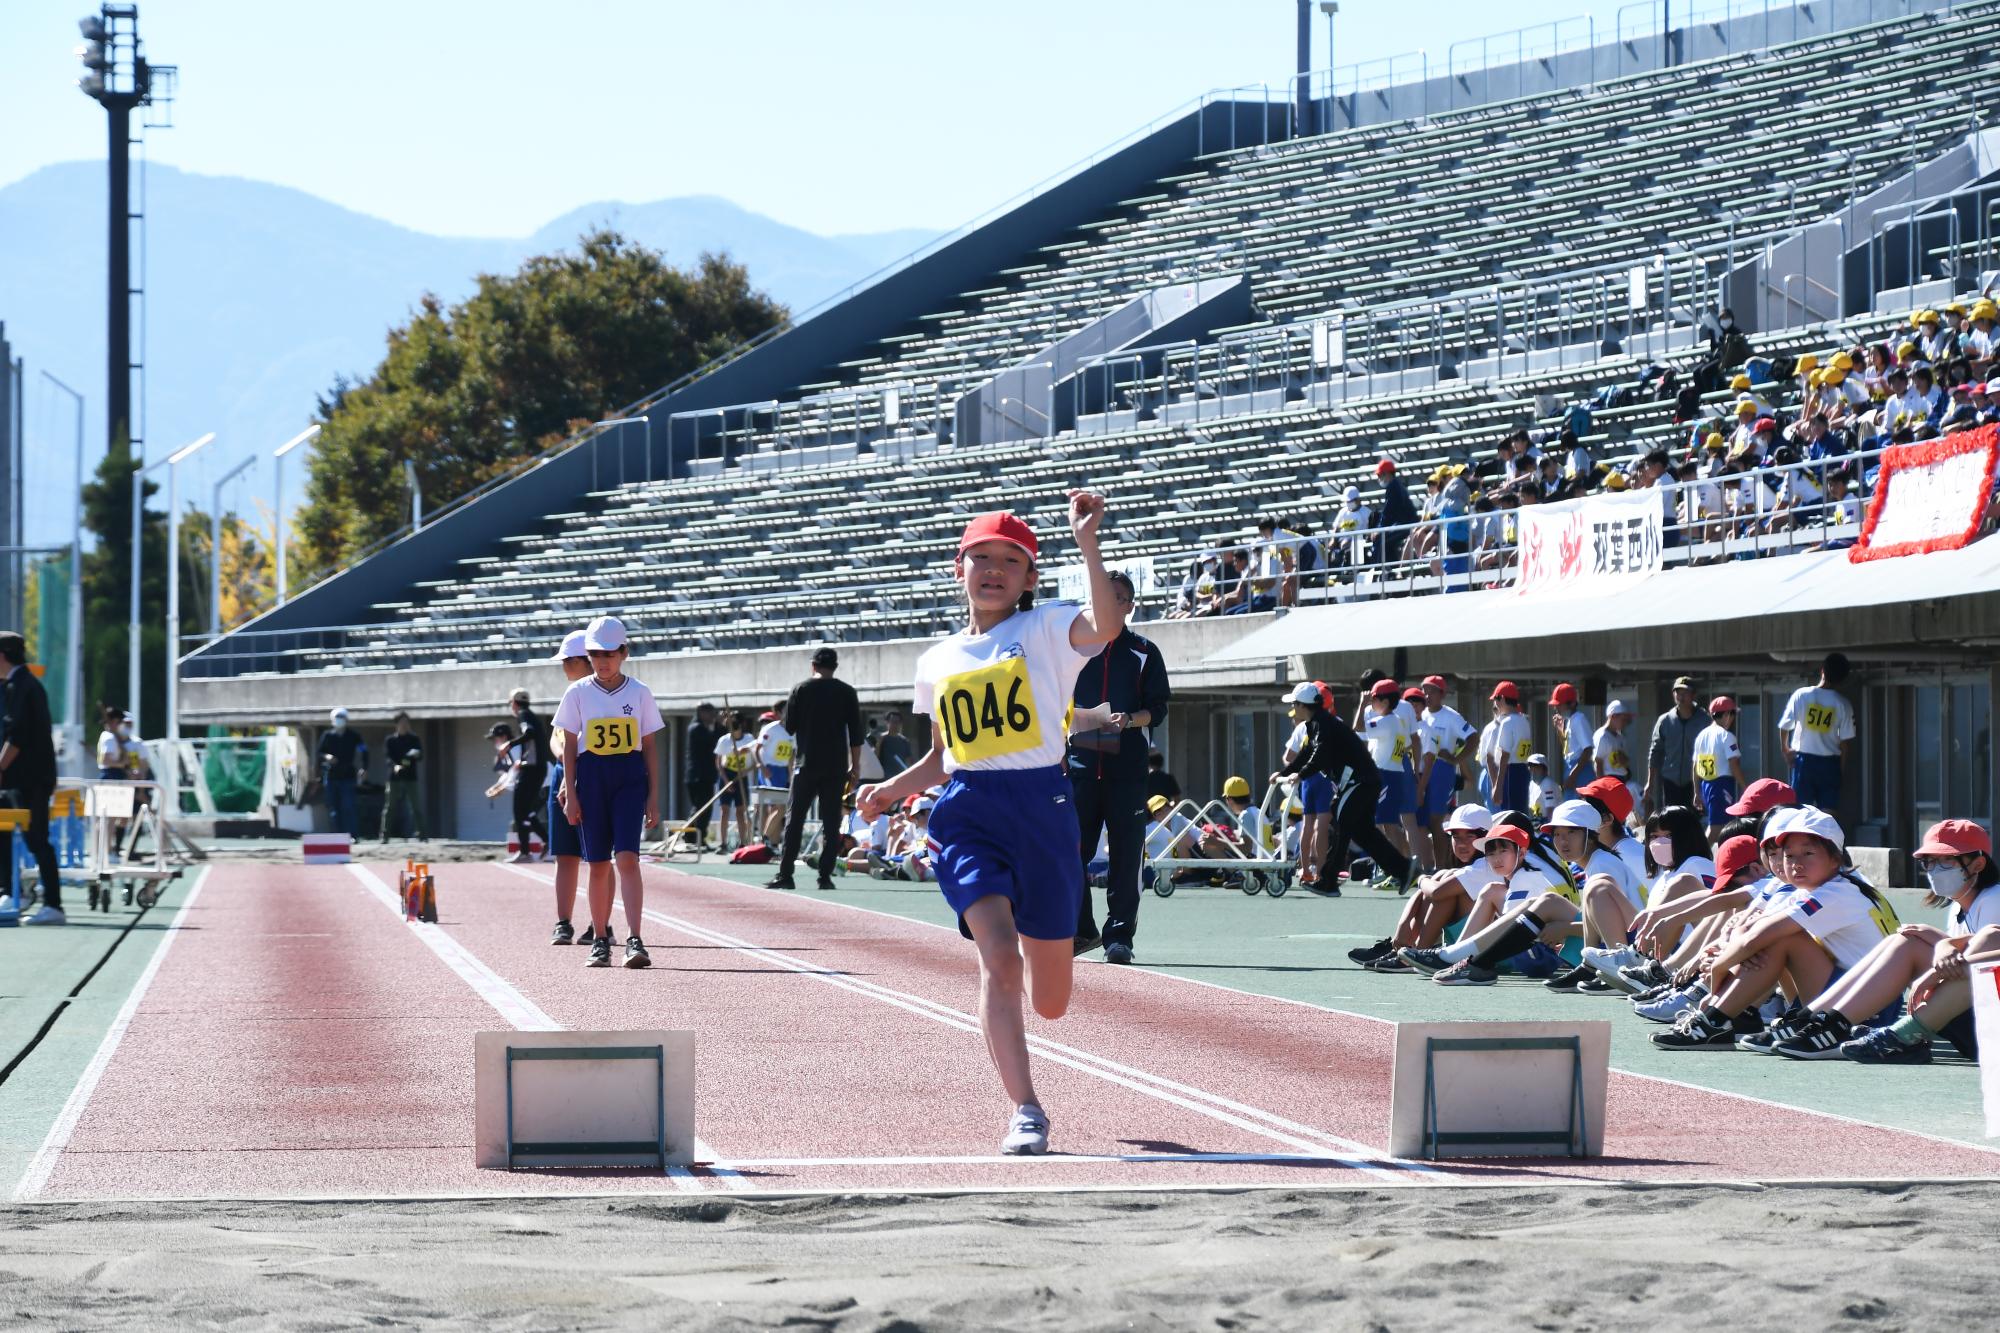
(988, 713)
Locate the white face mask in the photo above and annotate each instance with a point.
(1661, 850)
(1947, 880)
(125, 730)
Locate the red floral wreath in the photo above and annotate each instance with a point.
(1931, 452)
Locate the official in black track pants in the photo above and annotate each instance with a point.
(1107, 776)
(1332, 747)
(824, 715)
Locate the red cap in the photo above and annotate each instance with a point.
(999, 526)
(1506, 689)
(1382, 689)
(1385, 467)
(1721, 703)
(1325, 694)
(1955, 837)
(1732, 856)
(1763, 424)
(1617, 797)
(1414, 695)
(1564, 693)
(767, 717)
(1517, 836)
(1762, 794)
(1436, 683)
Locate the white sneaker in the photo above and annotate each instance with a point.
(48, 916)
(1669, 1008)
(517, 857)
(1606, 962)
(1027, 1133)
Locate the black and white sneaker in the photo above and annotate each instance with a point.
(1571, 979)
(589, 936)
(600, 952)
(565, 933)
(1695, 1030)
(1027, 1132)
(1467, 973)
(1789, 1024)
(1597, 985)
(1390, 964)
(635, 953)
(1647, 975)
(1426, 961)
(1818, 1040)
(1368, 953)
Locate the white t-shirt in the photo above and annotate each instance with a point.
(1837, 914)
(1528, 883)
(1295, 743)
(999, 698)
(597, 717)
(1819, 720)
(1162, 834)
(1444, 729)
(1576, 740)
(1544, 795)
(868, 834)
(1489, 742)
(1633, 853)
(1256, 830)
(1984, 912)
(1513, 739)
(110, 750)
(1695, 865)
(1603, 861)
(1714, 747)
(737, 753)
(1767, 893)
(1389, 738)
(1610, 752)
(774, 745)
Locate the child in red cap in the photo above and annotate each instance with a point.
(1004, 834)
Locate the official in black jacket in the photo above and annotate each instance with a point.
(1332, 747)
(1107, 773)
(28, 768)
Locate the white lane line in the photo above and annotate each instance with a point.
(1252, 1119)
(43, 1164)
(1048, 1159)
(518, 1010)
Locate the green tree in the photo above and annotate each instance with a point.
(469, 391)
(107, 590)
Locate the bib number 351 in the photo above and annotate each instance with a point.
(989, 712)
(611, 735)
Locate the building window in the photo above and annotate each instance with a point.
(1968, 750)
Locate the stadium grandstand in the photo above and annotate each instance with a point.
(1586, 258)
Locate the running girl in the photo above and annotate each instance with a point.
(564, 844)
(609, 721)
(1004, 835)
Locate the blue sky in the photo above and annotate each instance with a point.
(489, 119)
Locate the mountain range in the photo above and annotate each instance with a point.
(258, 295)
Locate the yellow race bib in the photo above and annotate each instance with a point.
(611, 735)
(781, 752)
(1819, 718)
(736, 761)
(1523, 750)
(1705, 767)
(988, 713)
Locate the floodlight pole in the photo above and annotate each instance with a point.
(305, 436)
(1302, 87)
(75, 568)
(215, 546)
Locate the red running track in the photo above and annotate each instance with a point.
(301, 1039)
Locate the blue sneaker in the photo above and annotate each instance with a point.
(1879, 1046)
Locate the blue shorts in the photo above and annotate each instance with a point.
(1316, 793)
(777, 775)
(1816, 778)
(1439, 791)
(1537, 960)
(1398, 798)
(1011, 832)
(564, 840)
(1716, 797)
(612, 791)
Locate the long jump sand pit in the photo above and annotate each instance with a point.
(1570, 1257)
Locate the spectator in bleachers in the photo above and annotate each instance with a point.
(1875, 379)
(1347, 541)
(1935, 343)
(1304, 553)
(1396, 512)
(1983, 341)
(1257, 574)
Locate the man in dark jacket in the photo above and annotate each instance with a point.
(1107, 773)
(28, 769)
(531, 798)
(699, 779)
(1397, 511)
(343, 758)
(824, 717)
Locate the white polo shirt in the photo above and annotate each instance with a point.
(999, 698)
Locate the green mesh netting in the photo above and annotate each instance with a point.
(235, 775)
(50, 614)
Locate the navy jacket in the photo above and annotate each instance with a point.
(1130, 674)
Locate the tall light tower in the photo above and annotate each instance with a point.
(118, 78)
